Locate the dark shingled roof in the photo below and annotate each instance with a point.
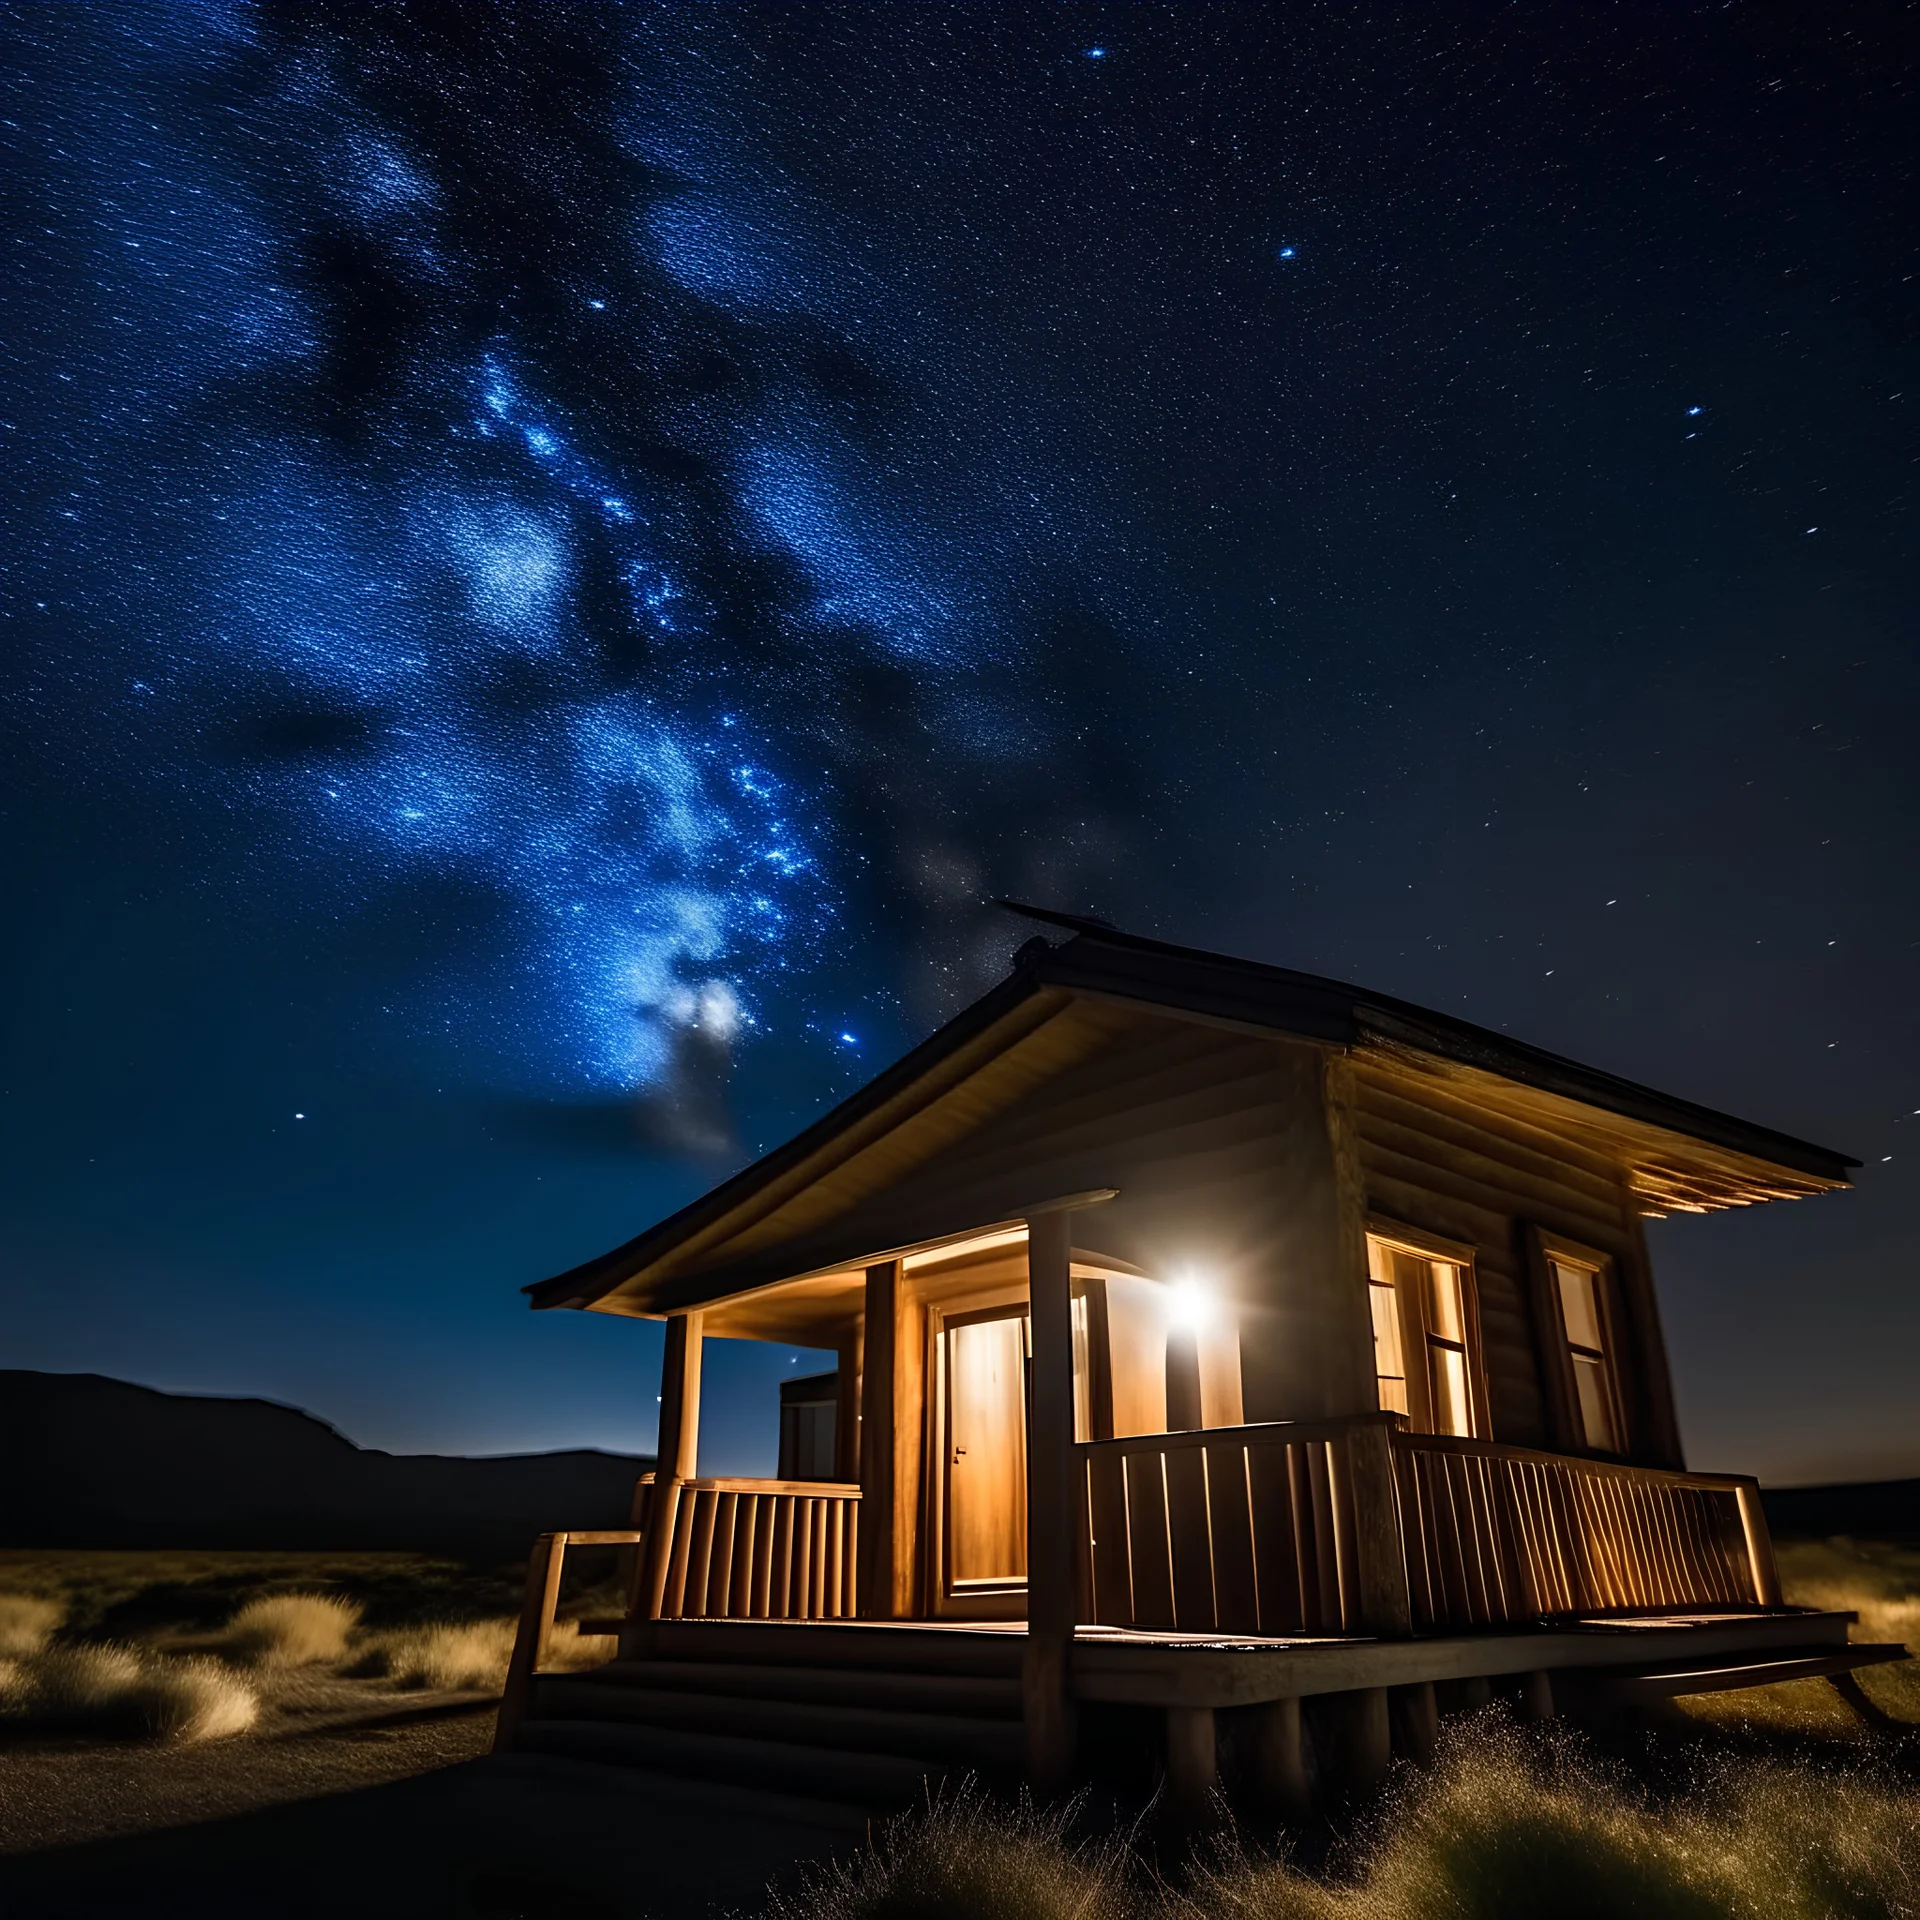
(1100, 959)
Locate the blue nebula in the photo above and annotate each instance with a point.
(1285, 253)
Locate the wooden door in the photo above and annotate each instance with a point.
(985, 1517)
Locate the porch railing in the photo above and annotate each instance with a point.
(1258, 1530)
(1358, 1526)
(1500, 1534)
(748, 1549)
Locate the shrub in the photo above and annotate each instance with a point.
(1516, 1828)
(471, 1656)
(116, 1691)
(967, 1858)
(27, 1623)
(290, 1630)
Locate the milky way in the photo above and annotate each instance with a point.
(560, 553)
(558, 524)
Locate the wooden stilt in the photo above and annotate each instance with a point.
(1464, 1696)
(1052, 1581)
(1193, 1761)
(1416, 1722)
(1536, 1695)
(1280, 1759)
(1359, 1737)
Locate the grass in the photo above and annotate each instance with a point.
(291, 1630)
(194, 1646)
(471, 1655)
(1878, 1581)
(120, 1691)
(27, 1623)
(1510, 1824)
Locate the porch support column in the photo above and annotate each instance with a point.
(1360, 1739)
(679, 1453)
(1193, 1762)
(890, 1421)
(1052, 1593)
(1280, 1759)
(846, 1408)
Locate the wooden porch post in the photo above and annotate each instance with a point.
(679, 1453)
(890, 1416)
(846, 1408)
(1052, 1592)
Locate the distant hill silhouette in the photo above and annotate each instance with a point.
(86, 1461)
(1867, 1509)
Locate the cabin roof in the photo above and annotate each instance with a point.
(1101, 963)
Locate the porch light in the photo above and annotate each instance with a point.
(1191, 1304)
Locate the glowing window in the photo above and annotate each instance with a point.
(1389, 1367)
(1423, 1311)
(1595, 1391)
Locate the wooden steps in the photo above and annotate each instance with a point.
(866, 1717)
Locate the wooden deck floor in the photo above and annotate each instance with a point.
(1156, 1667)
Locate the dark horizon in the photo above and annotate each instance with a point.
(561, 557)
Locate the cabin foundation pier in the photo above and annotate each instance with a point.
(1193, 1761)
(1464, 1696)
(1354, 1733)
(1416, 1722)
(1279, 1759)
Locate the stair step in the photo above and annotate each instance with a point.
(951, 1738)
(695, 1794)
(980, 1696)
(899, 1646)
(861, 1779)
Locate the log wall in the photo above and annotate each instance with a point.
(1429, 1159)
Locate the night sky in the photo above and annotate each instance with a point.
(557, 554)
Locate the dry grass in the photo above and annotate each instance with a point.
(970, 1858)
(27, 1622)
(1879, 1582)
(1509, 1825)
(1516, 1828)
(469, 1656)
(124, 1692)
(290, 1630)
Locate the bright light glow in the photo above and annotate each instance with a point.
(1191, 1304)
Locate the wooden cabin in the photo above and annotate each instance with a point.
(1212, 1339)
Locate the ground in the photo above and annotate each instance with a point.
(364, 1796)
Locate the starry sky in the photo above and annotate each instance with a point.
(557, 554)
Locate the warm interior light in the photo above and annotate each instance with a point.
(1190, 1304)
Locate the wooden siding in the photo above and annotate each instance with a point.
(1431, 1159)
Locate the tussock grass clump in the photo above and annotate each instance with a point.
(451, 1657)
(116, 1691)
(27, 1622)
(968, 1858)
(290, 1630)
(470, 1656)
(1511, 1824)
(1511, 1827)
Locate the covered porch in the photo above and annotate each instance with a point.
(1197, 1570)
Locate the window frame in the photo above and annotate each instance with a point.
(1545, 1249)
(1417, 1335)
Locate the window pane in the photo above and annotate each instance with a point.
(1451, 1411)
(1082, 1368)
(1579, 1303)
(1596, 1403)
(1387, 1363)
(1448, 1321)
